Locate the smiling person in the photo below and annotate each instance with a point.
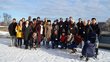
(19, 33)
(26, 33)
(12, 32)
(96, 29)
(48, 33)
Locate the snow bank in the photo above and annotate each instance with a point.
(4, 34)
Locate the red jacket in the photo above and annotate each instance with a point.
(63, 38)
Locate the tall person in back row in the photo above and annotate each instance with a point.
(26, 33)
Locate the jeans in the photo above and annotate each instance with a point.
(55, 44)
(13, 42)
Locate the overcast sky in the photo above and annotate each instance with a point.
(85, 9)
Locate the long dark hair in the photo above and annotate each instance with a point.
(19, 22)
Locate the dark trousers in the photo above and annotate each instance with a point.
(33, 43)
(26, 42)
(48, 44)
(19, 42)
(55, 44)
(63, 45)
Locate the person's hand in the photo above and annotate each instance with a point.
(20, 30)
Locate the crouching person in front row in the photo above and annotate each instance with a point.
(33, 43)
(63, 41)
(55, 39)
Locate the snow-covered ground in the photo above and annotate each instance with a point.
(4, 34)
(13, 54)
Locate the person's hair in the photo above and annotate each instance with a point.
(93, 19)
(80, 19)
(48, 20)
(23, 18)
(19, 22)
(14, 19)
(34, 19)
(70, 17)
(29, 17)
(66, 19)
(38, 17)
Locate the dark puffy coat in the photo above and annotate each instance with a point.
(11, 29)
(73, 29)
(27, 32)
(96, 28)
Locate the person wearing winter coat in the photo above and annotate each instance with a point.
(72, 27)
(54, 36)
(19, 34)
(12, 32)
(66, 25)
(26, 33)
(63, 41)
(39, 32)
(86, 34)
(79, 25)
(42, 31)
(34, 35)
(61, 27)
(45, 30)
(48, 33)
(97, 30)
(33, 42)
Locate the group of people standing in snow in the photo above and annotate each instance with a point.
(61, 34)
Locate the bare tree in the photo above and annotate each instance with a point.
(7, 18)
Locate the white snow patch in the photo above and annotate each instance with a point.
(13, 54)
(4, 33)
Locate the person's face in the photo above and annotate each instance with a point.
(80, 19)
(93, 21)
(20, 22)
(66, 19)
(41, 23)
(45, 19)
(85, 23)
(55, 22)
(88, 22)
(38, 19)
(14, 21)
(72, 21)
(49, 23)
(29, 18)
(61, 19)
(70, 18)
(34, 22)
(27, 22)
(23, 19)
(63, 33)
